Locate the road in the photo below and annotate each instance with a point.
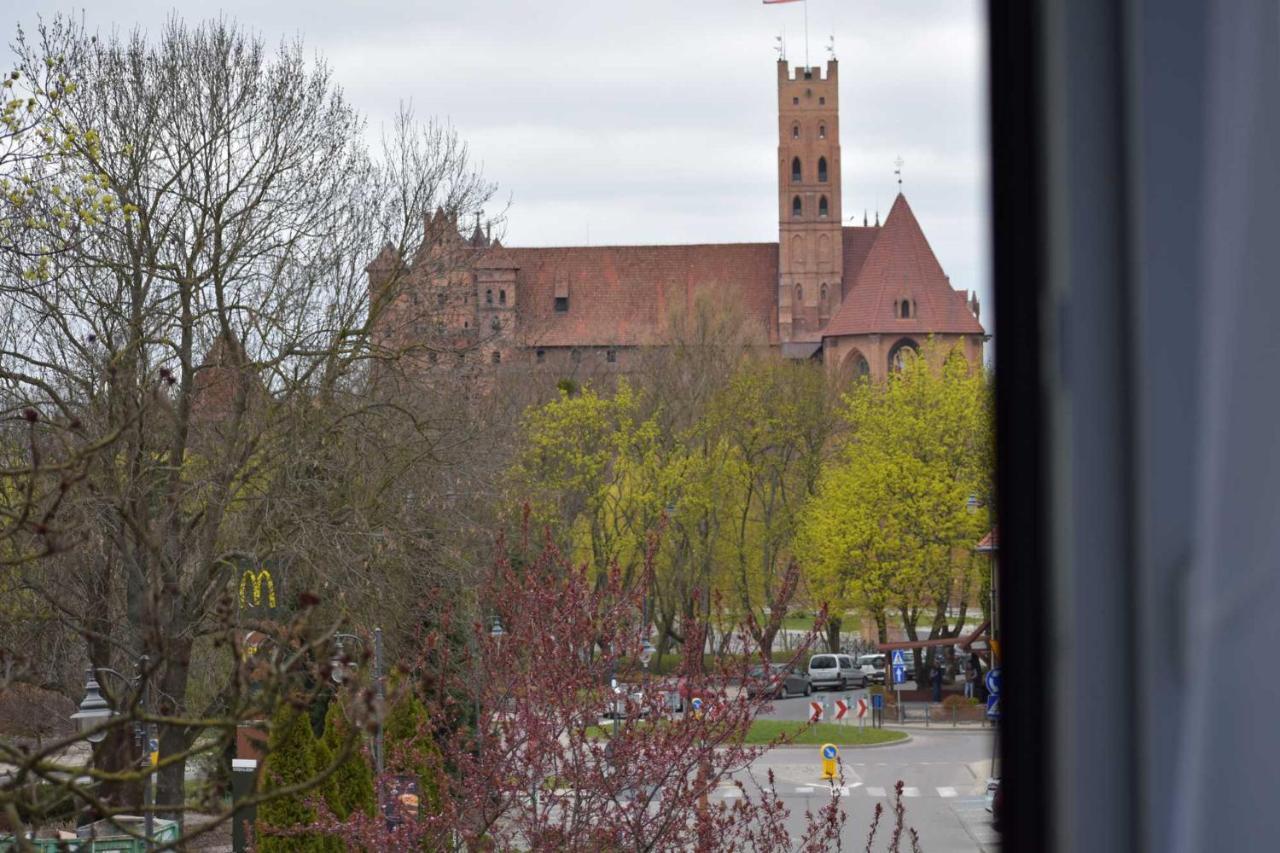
(944, 773)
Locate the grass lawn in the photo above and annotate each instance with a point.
(765, 731)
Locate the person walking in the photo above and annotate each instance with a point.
(970, 677)
(937, 682)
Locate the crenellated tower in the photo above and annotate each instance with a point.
(810, 249)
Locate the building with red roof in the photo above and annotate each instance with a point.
(856, 298)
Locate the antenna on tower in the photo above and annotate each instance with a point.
(898, 171)
(780, 46)
(831, 47)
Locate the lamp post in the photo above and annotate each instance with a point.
(95, 710)
(337, 673)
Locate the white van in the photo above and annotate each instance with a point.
(838, 672)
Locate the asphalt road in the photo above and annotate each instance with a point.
(797, 707)
(944, 774)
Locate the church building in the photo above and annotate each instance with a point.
(854, 297)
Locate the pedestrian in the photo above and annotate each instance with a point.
(970, 677)
(937, 682)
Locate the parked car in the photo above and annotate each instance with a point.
(778, 680)
(835, 671)
(872, 667)
(995, 803)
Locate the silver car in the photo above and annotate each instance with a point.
(835, 671)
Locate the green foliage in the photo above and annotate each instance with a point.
(351, 787)
(406, 735)
(891, 527)
(292, 754)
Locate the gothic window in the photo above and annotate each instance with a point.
(824, 251)
(502, 297)
(861, 370)
(905, 309)
(796, 208)
(799, 294)
(540, 356)
(795, 131)
(488, 297)
(562, 304)
(822, 207)
(822, 169)
(795, 170)
(822, 131)
(902, 350)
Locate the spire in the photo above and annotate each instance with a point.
(864, 217)
(877, 218)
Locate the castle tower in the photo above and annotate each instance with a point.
(810, 249)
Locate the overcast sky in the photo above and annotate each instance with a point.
(617, 121)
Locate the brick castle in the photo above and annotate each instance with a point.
(854, 298)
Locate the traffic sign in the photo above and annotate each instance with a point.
(993, 681)
(877, 701)
(697, 704)
(815, 709)
(899, 673)
(993, 706)
(898, 659)
(862, 708)
(829, 753)
(842, 708)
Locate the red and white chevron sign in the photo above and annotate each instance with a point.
(842, 708)
(815, 711)
(862, 708)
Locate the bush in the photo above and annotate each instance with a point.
(291, 760)
(350, 788)
(958, 699)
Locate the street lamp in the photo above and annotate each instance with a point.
(337, 671)
(94, 710)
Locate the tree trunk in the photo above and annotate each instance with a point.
(833, 634)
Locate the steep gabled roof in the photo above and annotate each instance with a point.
(900, 264)
(857, 242)
(621, 295)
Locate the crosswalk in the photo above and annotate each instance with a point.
(945, 792)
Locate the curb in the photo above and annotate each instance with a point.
(844, 746)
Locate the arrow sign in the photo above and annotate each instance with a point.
(898, 659)
(993, 706)
(815, 709)
(862, 708)
(829, 752)
(842, 708)
(993, 681)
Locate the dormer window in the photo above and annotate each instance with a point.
(904, 309)
(562, 305)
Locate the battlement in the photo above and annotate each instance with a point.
(806, 74)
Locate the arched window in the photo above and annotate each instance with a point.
(822, 131)
(902, 350)
(488, 297)
(822, 207)
(862, 370)
(822, 297)
(822, 169)
(795, 170)
(799, 294)
(796, 208)
(795, 131)
(502, 297)
(904, 310)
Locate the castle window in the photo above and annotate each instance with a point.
(905, 309)
(611, 356)
(488, 297)
(799, 294)
(822, 169)
(562, 304)
(822, 131)
(795, 170)
(496, 357)
(822, 297)
(540, 356)
(822, 207)
(795, 101)
(822, 100)
(901, 351)
(796, 208)
(466, 324)
(502, 297)
(795, 131)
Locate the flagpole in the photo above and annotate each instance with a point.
(806, 33)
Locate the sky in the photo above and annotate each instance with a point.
(626, 122)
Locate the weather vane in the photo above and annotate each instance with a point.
(831, 46)
(898, 171)
(779, 47)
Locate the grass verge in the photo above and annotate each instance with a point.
(767, 731)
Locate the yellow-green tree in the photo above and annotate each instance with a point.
(892, 526)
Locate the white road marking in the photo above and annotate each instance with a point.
(910, 792)
(875, 791)
(946, 791)
(730, 793)
(804, 790)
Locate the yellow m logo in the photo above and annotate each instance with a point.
(249, 578)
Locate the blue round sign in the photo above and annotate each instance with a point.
(993, 681)
(697, 703)
(828, 752)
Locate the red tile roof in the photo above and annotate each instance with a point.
(858, 241)
(621, 295)
(900, 264)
